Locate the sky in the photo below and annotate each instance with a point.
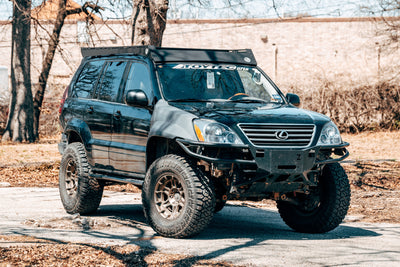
(207, 9)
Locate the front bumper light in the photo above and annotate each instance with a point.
(330, 135)
(214, 132)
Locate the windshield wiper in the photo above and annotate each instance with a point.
(249, 100)
(189, 100)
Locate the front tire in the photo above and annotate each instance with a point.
(78, 191)
(178, 199)
(324, 209)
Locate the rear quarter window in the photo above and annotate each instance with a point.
(87, 79)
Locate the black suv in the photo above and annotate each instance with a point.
(194, 128)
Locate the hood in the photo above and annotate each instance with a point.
(234, 113)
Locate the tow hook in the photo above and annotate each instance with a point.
(278, 196)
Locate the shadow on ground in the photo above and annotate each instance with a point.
(236, 222)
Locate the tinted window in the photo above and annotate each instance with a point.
(87, 79)
(139, 78)
(111, 80)
(215, 81)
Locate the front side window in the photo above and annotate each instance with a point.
(139, 78)
(111, 81)
(215, 82)
(87, 79)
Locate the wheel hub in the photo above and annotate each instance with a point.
(169, 197)
(71, 179)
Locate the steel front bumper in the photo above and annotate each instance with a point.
(272, 160)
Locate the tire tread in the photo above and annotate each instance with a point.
(203, 199)
(334, 211)
(90, 191)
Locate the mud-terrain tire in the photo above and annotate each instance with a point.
(334, 201)
(78, 191)
(178, 199)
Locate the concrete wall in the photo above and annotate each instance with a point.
(308, 50)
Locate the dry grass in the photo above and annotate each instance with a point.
(45, 151)
(374, 145)
(355, 107)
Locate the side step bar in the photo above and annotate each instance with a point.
(117, 179)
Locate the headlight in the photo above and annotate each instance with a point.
(214, 132)
(330, 135)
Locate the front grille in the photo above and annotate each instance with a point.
(278, 134)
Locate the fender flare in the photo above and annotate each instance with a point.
(80, 128)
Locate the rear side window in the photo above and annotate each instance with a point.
(111, 80)
(87, 79)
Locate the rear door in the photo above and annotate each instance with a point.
(131, 125)
(100, 111)
(82, 90)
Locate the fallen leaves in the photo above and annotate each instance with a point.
(374, 175)
(36, 175)
(32, 251)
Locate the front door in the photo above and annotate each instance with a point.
(131, 125)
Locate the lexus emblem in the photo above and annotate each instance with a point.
(281, 135)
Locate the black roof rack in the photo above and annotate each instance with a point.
(163, 54)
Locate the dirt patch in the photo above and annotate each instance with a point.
(43, 175)
(375, 191)
(44, 151)
(373, 146)
(29, 251)
(370, 176)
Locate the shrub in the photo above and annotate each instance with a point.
(367, 107)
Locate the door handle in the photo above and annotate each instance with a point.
(89, 110)
(117, 115)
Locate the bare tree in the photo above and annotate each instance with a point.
(388, 12)
(20, 118)
(53, 42)
(149, 18)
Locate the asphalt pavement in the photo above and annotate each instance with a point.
(238, 234)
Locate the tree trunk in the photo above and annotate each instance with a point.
(48, 61)
(20, 118)
(149, 18)
(63, 12)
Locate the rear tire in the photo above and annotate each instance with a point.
(330, 204)
(178, 199)
(78, 191)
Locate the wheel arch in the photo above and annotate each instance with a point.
(158, 146)
(78, 131)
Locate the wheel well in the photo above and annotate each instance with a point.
(160, 146)
(74, 137)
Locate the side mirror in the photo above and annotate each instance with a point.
(293, 99)
(136, 98)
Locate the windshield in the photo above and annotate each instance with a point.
(215, 82)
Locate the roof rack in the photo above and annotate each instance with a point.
(113, 50)
(164, 55)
